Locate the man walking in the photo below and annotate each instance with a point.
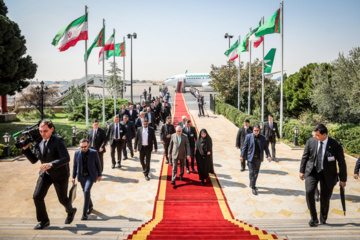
(144, 141)
(139, 121)
(190, 132)
(88, 170)
(318, 164)
(254, 147)
(240, 138)
(200, 101)
(116, 136)
(130, 135)
(165, 112)
(270, 131)
(133, 114)
(97, 140)
(150, 117)
(165, 135)
(182, 124)
(123, 111)
(179, 146)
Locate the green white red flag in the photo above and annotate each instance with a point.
(256, 40)
(109, 45)
(231, 53)
(68, 36)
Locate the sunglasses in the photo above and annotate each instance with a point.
(84, 147)
(256, 130)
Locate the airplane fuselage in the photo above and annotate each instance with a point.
(190, 79)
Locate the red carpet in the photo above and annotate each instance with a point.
(192, 211)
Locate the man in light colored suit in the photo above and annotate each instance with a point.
(179, 146)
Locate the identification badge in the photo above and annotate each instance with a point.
(191, 135)
(121, 131)
(273, 129)
(331, 158)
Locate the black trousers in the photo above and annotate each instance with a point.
(145, 155)
(166, 149)
(118, 145)
(201, 109)
(128, 144)
(311, 183)
(254, 168)
(101, 156)
(243, 163)
(272, 140)
(42, 186)
(192, 151)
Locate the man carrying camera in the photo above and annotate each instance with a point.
(54, 169)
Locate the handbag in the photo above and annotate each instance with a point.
(72, 192)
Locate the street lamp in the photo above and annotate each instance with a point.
(296, 131)
(74, 135)
(131, 36)
(7, 141)
(228, 36)
(41, 91)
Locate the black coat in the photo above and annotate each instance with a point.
(151, 139)
(333, 148)
(192, 135)
(240, 137)
(268, 132)
(56, 154)
(130, 130)
(164, 131)
(153, 120)
(122, 113)
(357, 166)
(133, 116)
(110, 134)
(100, 139)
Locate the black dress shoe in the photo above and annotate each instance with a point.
(147, 178)
(322, 220)
(181, 179)
(243, 169)
(119, 165)
(125, 158)
(42, 225)
(70, 216)
(90, 210)
(187, 171)
(171, 163)
(313, 223)
(254, 191)
(202, 183)
(84, 217)
(172, 183)
(132, 155)
(112, 166)
(193, 170)
(167, 161)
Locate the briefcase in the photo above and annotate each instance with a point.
(72, 193)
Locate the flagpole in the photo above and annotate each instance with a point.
(115, 87)
(239, 78)
(249, 97)
(103, 73)
(282, 68)
(86, 79)
(263, 79)
(123, 84)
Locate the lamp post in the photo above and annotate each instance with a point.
(296, 131)
(7, 141)
(228, 36)
(41, 91)
(131, 36)
(74, 135)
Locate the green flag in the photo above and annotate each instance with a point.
(269, 60)
(119, 51)
(244, 46)
(272, 25)
(98, 42)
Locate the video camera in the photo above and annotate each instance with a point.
(30, 133)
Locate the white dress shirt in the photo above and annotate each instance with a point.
(145, 136)
(41, 146)
(323, 151)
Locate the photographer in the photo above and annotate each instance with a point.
(200, 101)
(54, 169)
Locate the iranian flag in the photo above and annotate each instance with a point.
(68, 36)
(119, 50)
(244, 46)
(109, 45)
(272, 25)
(256, 40)
(231, 53)
(98, 42)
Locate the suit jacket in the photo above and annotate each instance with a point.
(165, 111)
(249, 147)
(94, 166)
(110, 134)
(240, 137)
(179, 152)
(333, 148)
(133, 116)
(268, 132)
(164, 131)
(130, 130)
(151, 138)
(138, 123)
(100, 139)
(55, 153)
(192, 135)
(181, 124)
(152, 123)
(122, 113)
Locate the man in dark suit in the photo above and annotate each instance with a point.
(356, 169)
(54, 169)
(240, 138)
(165, 112)
(200, 101)
(254, 146)
(139, 121)
(182, 124)
(190, 132)
(318, 164)
(116, 136)
(144, 141)
(133, 114)
(88, 170)
(130, 135)
(150, 117)
(165, 134)
(270, 131)
(157, 112)
(97, 140)
(123, 111)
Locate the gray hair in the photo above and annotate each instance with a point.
(178, 127)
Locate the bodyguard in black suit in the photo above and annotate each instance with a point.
(190, 132)
(133, 114)
(318, 164)
(116, 136)
(357, 168)
(123, 111)
(165, 112)
(165, 136)
(150, 117)
(240, 138)
(130, 135)
(139, 121)
(270, 131)
(97, 141)
(144, 141)
(54, 169)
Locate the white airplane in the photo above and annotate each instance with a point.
(190, 80)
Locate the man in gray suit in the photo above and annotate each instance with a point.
(179, 146)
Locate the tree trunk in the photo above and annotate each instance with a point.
(3, 102)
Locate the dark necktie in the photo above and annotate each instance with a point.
(116, 132)
(44, 148)
(93, 140)
(319, 157)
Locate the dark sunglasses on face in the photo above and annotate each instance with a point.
(84, 147)
(256, 130)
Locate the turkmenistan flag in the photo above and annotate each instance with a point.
(68, 36)
(244, 46)
(272, 25)
(231, 53)
(98, 42)
(269, 60)
(109, 45)
(119, 50)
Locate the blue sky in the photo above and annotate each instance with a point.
(175, 36)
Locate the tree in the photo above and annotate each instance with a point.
(114, 87)
(30, 98)
(75, 97)
(15, 68)
(336, 92)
